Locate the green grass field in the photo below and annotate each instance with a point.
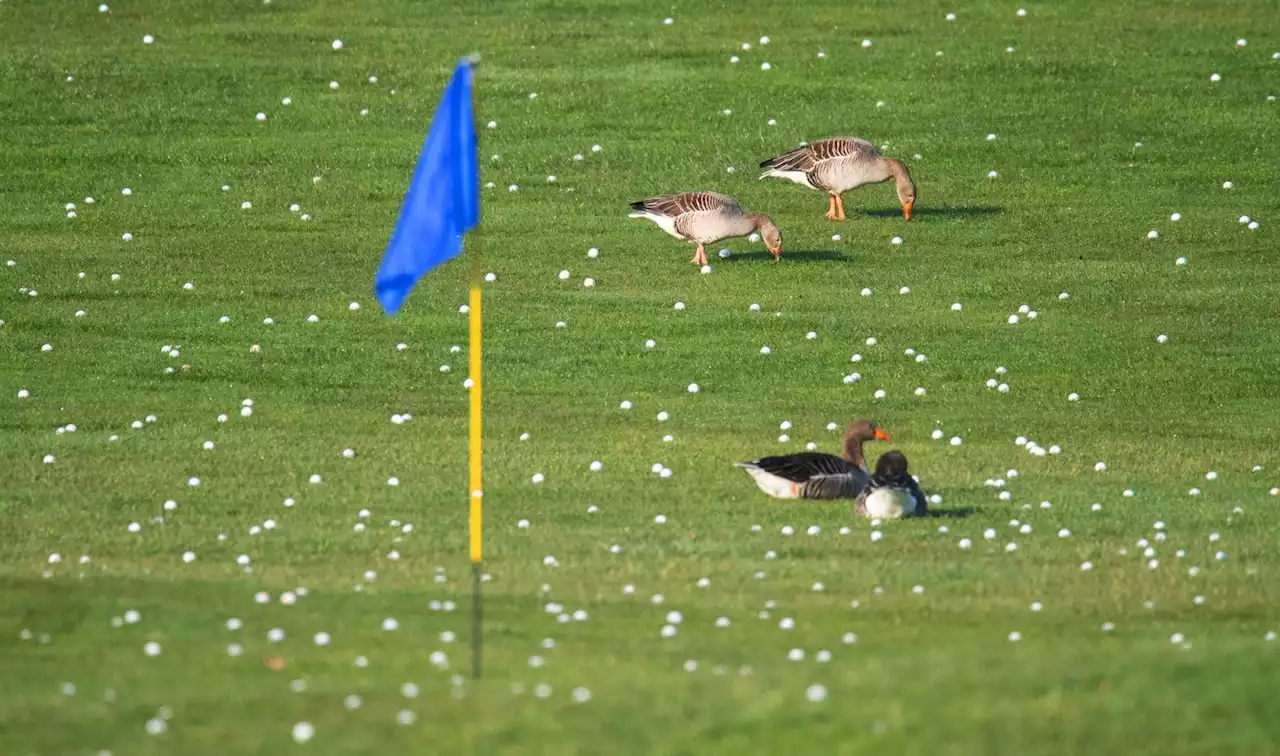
(1107, 123)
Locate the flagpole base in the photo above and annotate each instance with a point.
(477, 622)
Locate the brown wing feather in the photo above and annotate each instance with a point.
(800, 159)
(675, 205)
(841, 486)
(800, 467)
(685, 224)
(807, 158)
(843, 147)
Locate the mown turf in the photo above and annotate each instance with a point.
(931, 672)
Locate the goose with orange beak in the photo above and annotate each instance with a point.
(813, 475)
(704, 218)
(838, 165)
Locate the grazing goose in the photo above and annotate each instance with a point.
(839, 164)
(705, 218)
(891, 492)
(811, 475)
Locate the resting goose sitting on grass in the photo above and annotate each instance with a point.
(891, 492)
(813, 475)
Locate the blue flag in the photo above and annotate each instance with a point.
(443, 201)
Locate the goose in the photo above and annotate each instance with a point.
(839, 164)
(705, 218)
(891, 492)
(811, 475)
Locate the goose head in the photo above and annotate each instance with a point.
(770, 234)
(905, 186)
(892, 464)
(907, 196)
(866, 430)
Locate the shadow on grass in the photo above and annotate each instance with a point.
(818, 255)
(48, 606)
(951, 514)
(942, 212)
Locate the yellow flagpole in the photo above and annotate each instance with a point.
(477, 490)
(475, 445)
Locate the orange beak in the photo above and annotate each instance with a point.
(906, 209)
(882, 436)
(777, 252)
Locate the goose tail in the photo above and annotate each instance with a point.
(774, 485)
